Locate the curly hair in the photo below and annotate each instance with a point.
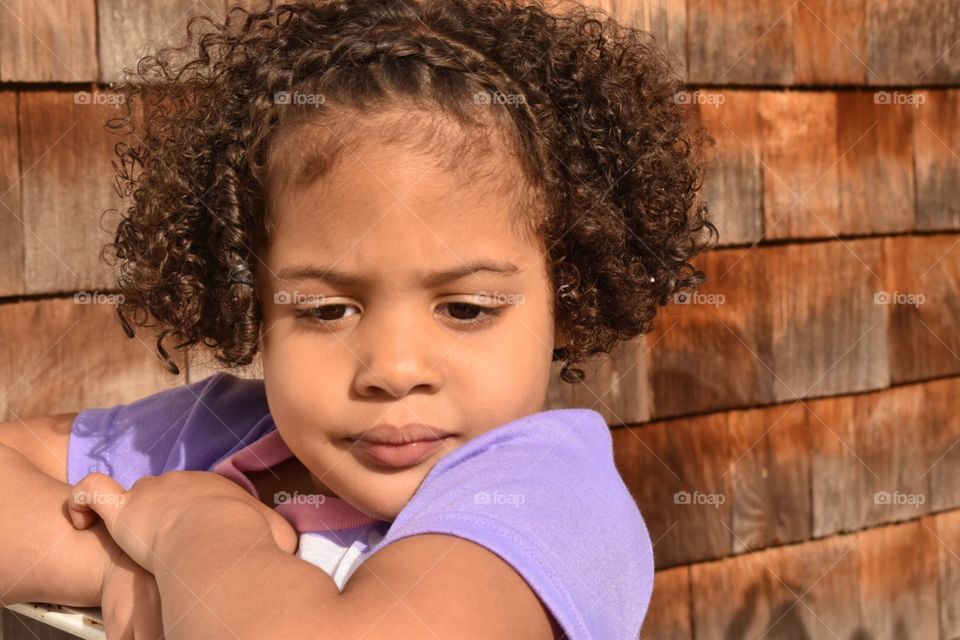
(616, 160)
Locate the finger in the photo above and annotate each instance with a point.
(284, 534)
(96, 496)
(81, 516)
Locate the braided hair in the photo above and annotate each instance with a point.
(610, 157)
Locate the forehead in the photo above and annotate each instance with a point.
(382, 204)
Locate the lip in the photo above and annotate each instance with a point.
(401, 455)
(403, 446)
(408, 433)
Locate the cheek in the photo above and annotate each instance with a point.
(533, 333)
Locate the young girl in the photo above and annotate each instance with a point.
(410, 210)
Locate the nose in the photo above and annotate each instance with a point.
(398, 354)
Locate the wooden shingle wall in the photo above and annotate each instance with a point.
(790, 432)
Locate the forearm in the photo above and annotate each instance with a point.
(42, 557)
(235, 586)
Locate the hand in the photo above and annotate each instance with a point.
(130, 601)
(159, 513)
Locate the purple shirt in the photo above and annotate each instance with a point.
(541, 491)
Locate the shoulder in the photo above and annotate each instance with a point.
(542, 495)
(189, 426)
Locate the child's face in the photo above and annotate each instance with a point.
(394, 352)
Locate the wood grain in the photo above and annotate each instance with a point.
(668, 617)
(69, 356)
(893, 485)
(946, 527)
(67, 185)
(868, 466)
(775, 336)
(837, 493)
(675, 472)
(936, 145)
(740, 42)
(739, 597)
(831, 42)
(800, 180)
(941, 431)
(898, 581)
(616, 385)
(820, 580)
(770, 469)
(665, 20)
(828, 335)
(11, 215)
(734, 187)
(879, 583)
(713, 351)
(49, 41)
(875, 166)
(922, 271)
(913, 43)
(129, 29)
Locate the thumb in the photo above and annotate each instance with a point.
(96, 496)
(283, 532)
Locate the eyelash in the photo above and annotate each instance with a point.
(490, 313)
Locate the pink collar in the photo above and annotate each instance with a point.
(311, 512)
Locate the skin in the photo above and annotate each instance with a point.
(395, 352)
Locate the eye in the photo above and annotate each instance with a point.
(476, 315)
(325, 314)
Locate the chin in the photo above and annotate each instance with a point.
(382, 509)
(379, 496)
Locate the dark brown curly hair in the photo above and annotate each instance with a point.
(616, 158)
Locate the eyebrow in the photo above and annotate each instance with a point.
(428, 280)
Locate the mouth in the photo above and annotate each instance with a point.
(406, 434)
(399, 455)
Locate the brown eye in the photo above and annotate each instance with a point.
(326, 313)
(460, 309)
(471, 315)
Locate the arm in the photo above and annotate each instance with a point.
(42, 441)
(37, 539)
(223, 566)
(43, 558)
(421, 586)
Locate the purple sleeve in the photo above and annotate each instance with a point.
(190, 427)
(543, 493)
